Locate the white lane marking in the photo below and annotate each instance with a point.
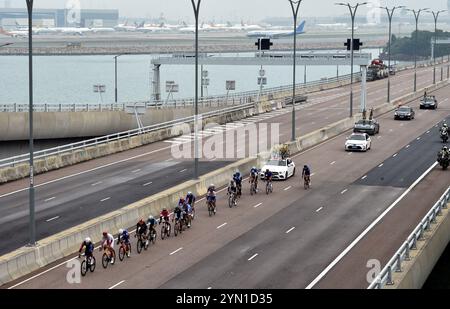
(49, 199)
(390, 130)
(253, 256)
(117, 284)
(135, 171)
(332, 162)
(168, 160)
(379, 136)
(97, 183)
(344, 191)
(147, 184)
(51, 219)
(222, 225)
(364, 177)
(407, 146)
(105, 199)
(257, 205)
(181, 248)
(418, 138)
(183, 170)
(381, 165)
(319, 209)
(209, 288)
(350, 153)
(428, 132)
(368, 229)
(401, 124)
(87, 171)
(290, 230)
(285, 189)
(395, 155)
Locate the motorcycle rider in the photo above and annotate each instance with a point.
(444, 130)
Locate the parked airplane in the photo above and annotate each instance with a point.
(14, 33)
(273, 34)
(125, 27)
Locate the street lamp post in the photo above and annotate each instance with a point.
(115, 75)
(196, 7)
(30, 117)
(435, 16)
(416, 17)
(353, 10)
(295, 6)
(390, 13)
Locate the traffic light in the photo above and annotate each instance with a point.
(356, 44)
(263, 44)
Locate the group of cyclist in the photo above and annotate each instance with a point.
(184, 208)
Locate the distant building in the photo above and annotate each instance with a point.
(11, 17)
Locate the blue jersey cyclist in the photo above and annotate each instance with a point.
(89, 247)
(268, 175)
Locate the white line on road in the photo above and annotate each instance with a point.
(49, 199)
(181, 248)
(364, 177)
(257, 205)
(350, 153)
(395, 155)
(253, 256)
(147, 184)
(285, 189)
(51, 219)
(183, 170)
(381, 165)
(379, 136)
(117, 284)
(313, 174)
(209, 288)
(105, 199)
(332, 162)
(222, 225)
(290, 230)
(418, 138)
(367, 230)
(97, 183)
(135, 171)
(319, 209)
(407, 146)
(344, 191)
(428, 132)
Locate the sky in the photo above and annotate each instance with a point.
(224, 9)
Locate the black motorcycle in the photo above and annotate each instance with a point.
(443, 160)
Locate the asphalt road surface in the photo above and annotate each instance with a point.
(287, 239)
(75, 194)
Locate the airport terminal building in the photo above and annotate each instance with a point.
(10, 17)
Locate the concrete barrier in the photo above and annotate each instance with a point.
(416, 271)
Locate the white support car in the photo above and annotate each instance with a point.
(281, 169)
(358, 142)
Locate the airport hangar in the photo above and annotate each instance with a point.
(11, 17)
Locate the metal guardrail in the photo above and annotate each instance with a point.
(403, 254)
(12, 161)
(219, 100)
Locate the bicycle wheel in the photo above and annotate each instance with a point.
(139, 246)
(175, 229)
(105, 260)
(145, 244)
(121, 253)
(92, 264)
(267, 188)
(230, 201)
(252, 189)
(169, 229)
(193, 213)
(84, 268)
(163, 231)
(154, 236)
(210, 209)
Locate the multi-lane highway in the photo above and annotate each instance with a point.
(286, 239)
(73, 195)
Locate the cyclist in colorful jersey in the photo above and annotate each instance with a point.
(107, 243)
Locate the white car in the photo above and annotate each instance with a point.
(359, 142)
(281, 169)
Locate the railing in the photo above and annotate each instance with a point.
(219, 100)
(403, 254)
(12, 161)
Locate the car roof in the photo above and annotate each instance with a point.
(358, 134)
(404, 106)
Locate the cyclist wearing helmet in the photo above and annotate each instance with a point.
(254, 177)
(237, 177)
(164, 215)
(306, 174)
(141, 229)
(232, 187)
(187, 211)
(89, 247)
(190, 199)
(211, 196)
(268, 175)
(124, 237)
(152, 223)
(108, 245)
(177, 213)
